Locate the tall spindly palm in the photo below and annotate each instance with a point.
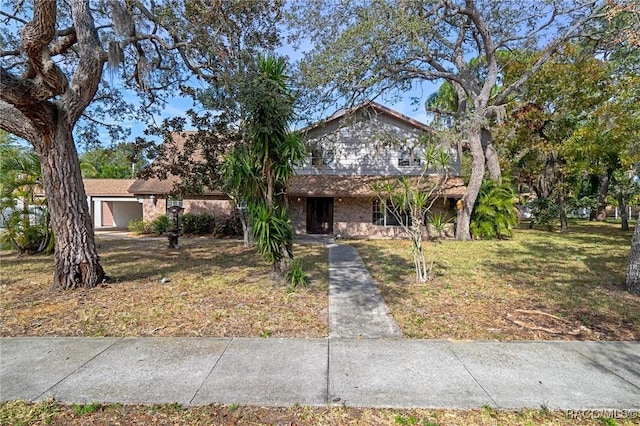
(269, 157)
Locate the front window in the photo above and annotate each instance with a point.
(174, 201)
(384, 215)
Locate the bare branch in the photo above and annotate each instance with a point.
(15, 18)
(4, 53)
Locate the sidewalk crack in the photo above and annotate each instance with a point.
(78, 368)
(210, 371)
(471, 374)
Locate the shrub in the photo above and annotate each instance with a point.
(21, 234)
(198, 224)
(296, 275)
(138, 226)
(439, 222)
(160, 225)
(228, 225)
(494, 214)
(544, 211)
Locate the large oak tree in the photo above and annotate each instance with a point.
(361, 49)
(52, 82)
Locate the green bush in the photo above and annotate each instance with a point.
(19, 233)
(198, 224)
(228, 225)
(272, 231)
(494, 213)
(160, 225)
(138, 227)
(544, 212)
(296, 275)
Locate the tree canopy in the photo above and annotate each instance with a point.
(365, 49)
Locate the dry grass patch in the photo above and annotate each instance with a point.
(216, 288)
(51, 413)
(538, 285)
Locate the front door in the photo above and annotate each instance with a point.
(319, 215)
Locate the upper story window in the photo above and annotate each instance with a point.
(408, 158)
(321, 156)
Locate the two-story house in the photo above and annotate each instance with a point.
(332, 193)
(350, 151)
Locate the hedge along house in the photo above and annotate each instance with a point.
(349, 152)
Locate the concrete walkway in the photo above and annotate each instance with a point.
(356, 307)
(364, 362)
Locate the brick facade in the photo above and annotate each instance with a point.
(217, 206)
(353, 218)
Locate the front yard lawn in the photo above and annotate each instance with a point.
(539, 285)
(215, 288)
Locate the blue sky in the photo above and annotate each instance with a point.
(178, 106)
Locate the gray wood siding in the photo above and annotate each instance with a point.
(366, 144)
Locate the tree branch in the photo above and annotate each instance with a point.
(20, 91)
(15, 18)
(86, 78)
(550, 50)
(13, 121)
(36, 36)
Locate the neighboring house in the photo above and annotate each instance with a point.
(110, 203)
(332, 192)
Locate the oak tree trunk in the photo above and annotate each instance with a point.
(473, 188)
(76, 259)
(633, 270)
(562, 206)
(42, 106)
(624, 214)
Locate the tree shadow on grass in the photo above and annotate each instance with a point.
(126, 260)
(578, 275)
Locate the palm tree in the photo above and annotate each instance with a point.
(24, 214)
(269, 158)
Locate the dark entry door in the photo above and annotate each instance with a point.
(319, 215)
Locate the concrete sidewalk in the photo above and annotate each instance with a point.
(355, 372)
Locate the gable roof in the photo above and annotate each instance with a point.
(155, 185)
(107, 187)
(374, 107)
